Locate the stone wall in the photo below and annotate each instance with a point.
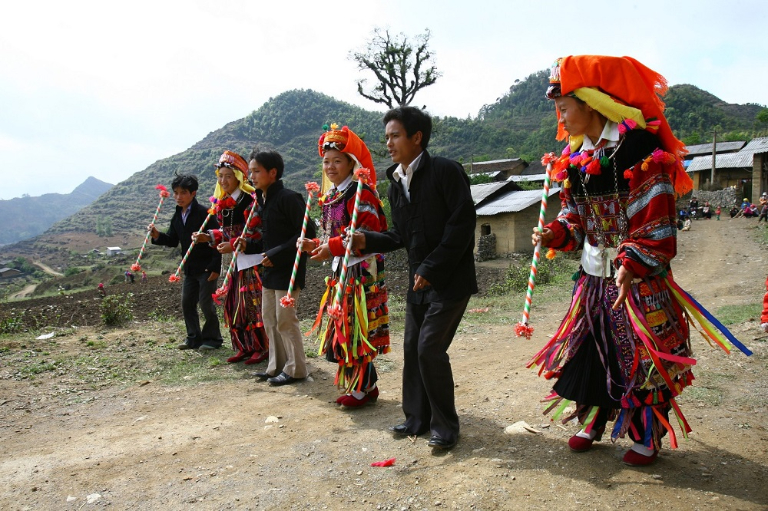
(724, 198)
(486, 247)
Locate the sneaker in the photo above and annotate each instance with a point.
(185, 346)
(207, 347)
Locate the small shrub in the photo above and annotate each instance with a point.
(516, 278)
(11, 325)
(116, 309)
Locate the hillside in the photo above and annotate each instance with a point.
(521, 123)
(37, 214)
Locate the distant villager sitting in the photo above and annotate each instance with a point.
(242, 304)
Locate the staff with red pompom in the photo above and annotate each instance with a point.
(288, 300)
(335, 310)
(523, 329)
(163, 194)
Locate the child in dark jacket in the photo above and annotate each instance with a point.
(201, 270)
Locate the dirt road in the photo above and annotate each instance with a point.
(239, 444)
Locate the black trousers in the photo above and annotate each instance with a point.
(197, 290)
(428, 398)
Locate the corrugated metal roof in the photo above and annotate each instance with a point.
(757, 145)
(513, 202)
(481, 191)
(700, 149)
(738, 160)
(493, 162)
(532, 177)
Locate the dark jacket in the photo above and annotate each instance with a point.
(282, 214)
(436, 227)
(203, 257)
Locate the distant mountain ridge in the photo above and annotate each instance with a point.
(521, 123)
(36, 214)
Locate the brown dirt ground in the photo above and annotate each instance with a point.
(210, 445)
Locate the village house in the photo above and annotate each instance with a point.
(746, 169)
(113, 251)
(9, 273)
(497, 170)
(506, 215)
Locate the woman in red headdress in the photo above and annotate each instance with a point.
(363, 330)
(242, 305)
(623, 351)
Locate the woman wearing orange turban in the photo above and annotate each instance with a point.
(242, 305)
(623, 351)
(364, 331)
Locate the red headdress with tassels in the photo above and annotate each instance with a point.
(630, 83)
(347, 141)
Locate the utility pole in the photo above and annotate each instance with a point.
(714, 156)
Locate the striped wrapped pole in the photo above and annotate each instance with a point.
(523, 328)
(335, 310)
(175, 277)
(163, 194)
(288, 300)
(222, 291)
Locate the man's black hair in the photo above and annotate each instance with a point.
(413, 120)
(269, 160)
(186, 182)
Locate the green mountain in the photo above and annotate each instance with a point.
(521, 123)
(45, 210)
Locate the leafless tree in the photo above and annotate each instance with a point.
(402, 68)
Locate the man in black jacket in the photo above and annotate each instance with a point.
(433, 217)
(282, 214)
(201, 270)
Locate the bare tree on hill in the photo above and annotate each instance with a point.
(402, 68)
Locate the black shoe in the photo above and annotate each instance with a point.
(207, 347)
(263, 376)
(282, 379)
(185, 346)
(402, 430)
(440, 443)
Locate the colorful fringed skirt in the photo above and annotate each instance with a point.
(362, 331)
(626, 365)
(242, 312)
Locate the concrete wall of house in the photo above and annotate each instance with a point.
(759, 176)
(696, 176)
(513, 230)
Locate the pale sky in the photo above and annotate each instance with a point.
(107, 88)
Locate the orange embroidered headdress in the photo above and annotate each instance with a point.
(346, 141)
(624, 91)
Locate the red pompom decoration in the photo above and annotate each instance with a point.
(334, 311)
(287, 301)
(523, 330)
(363, 175)
(174, 278)
(548, 158)
(163, 191)
(219, 294)
(312, 187)
(136, 267)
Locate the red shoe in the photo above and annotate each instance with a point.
(257, 357)
(371, 395)
(351, 401)
(241, 355)
(635, 459)
(581, 444)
